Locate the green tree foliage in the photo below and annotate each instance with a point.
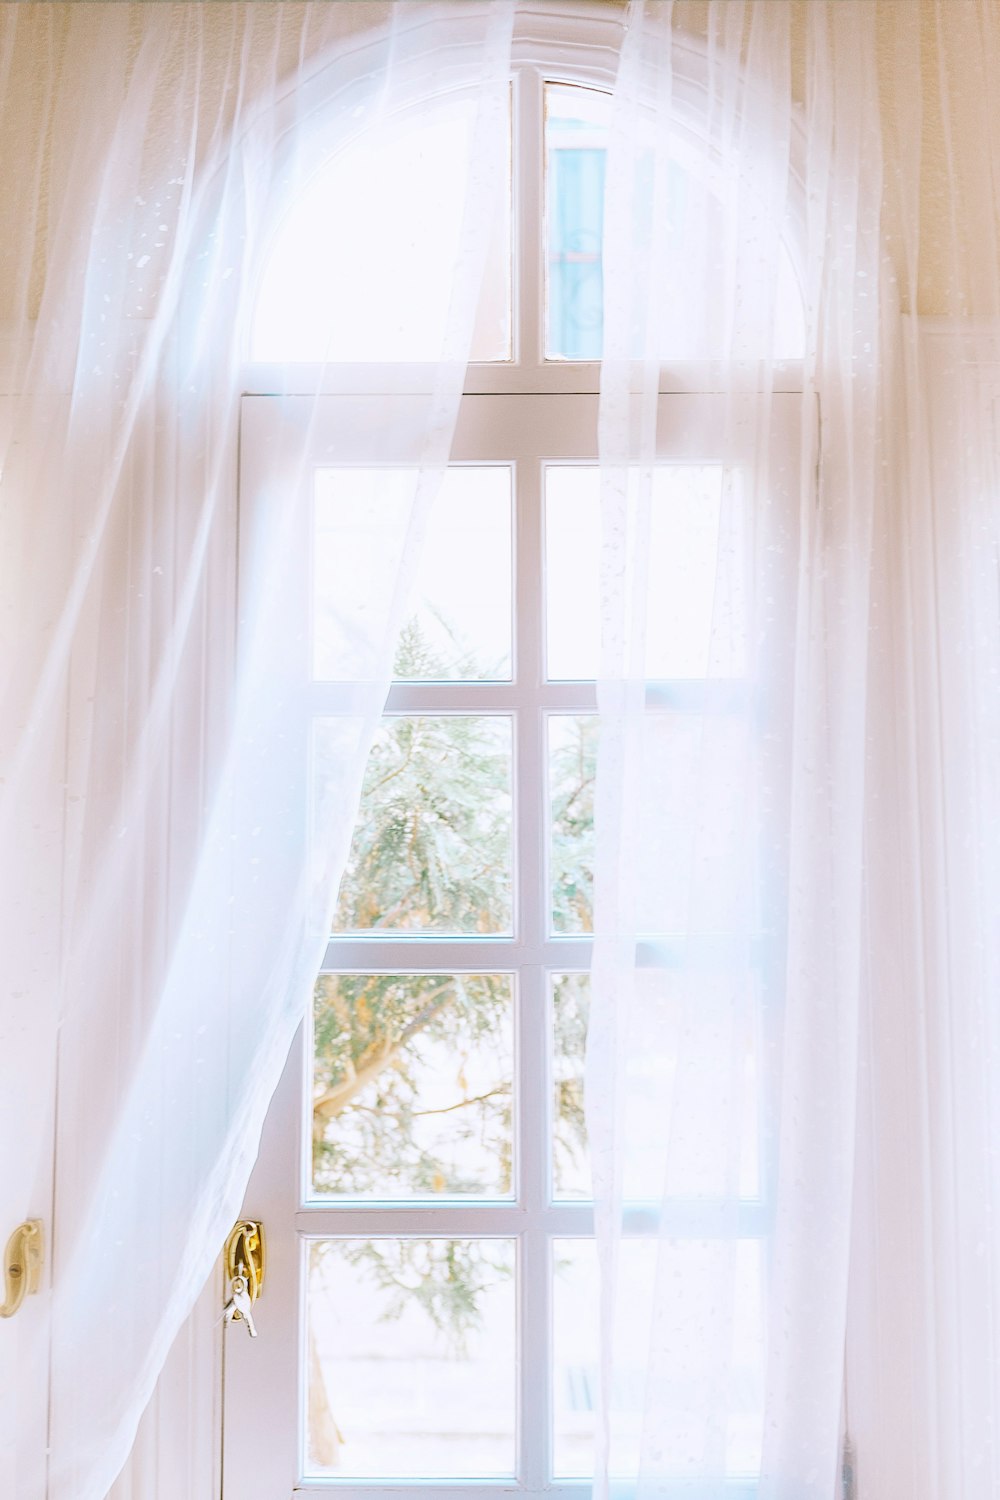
(432, 853)
(432, 847)
(446, 1278)
(572, 762)
(570, 1009)
(375, 1035)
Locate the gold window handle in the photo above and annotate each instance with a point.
(244, 1273)
(22, 1265)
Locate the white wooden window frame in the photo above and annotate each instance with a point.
(526, 413)
(264, 1380)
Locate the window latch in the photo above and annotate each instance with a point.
(244, 1272)
(22, 1265)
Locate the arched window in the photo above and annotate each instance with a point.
(357, 268)
(431, 1297)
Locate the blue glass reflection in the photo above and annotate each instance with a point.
(576, 228)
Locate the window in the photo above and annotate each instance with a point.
(428, 1317)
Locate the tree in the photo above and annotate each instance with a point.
(432, 852)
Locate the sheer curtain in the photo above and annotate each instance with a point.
(924, 1343)
(729, 971)
(171, 851)
(795, 990)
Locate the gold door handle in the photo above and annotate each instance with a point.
(244, 1272)
(22, 1265)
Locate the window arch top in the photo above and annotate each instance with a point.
(364, 261)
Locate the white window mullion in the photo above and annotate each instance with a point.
(529, 195)
(464, 1220)
(534, 1315)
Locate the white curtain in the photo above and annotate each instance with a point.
(171, 849)
(743, 856)
(924, 1343)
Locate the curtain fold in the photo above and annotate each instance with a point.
(842, 846)
(925, 1323)
(173, 844)
(729, 973)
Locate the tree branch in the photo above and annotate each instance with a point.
(448, 1109)
(330, 1103)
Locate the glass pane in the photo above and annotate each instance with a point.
(576, 135)
(411, 1359)
(705, 1297)
(694, 1056)
(572, 572)
(570, 994)
(698, 230)
(575, 1304)
(413, 1085)
(572, 765)
(704, 798)
(460, 621)
(696, 618)
(363, 263)
(432, 846)
(693, 1061)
